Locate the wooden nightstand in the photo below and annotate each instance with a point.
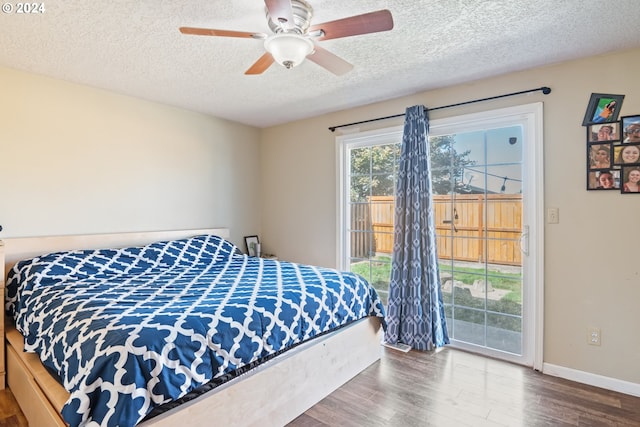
(2, 347)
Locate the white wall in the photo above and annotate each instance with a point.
(78, 160)
(592, 264)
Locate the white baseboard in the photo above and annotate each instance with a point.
(596, 380)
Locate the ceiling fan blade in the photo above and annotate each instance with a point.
(372, 22)
(261, 65)
(331, 62)
(281, 12)
(221, 33)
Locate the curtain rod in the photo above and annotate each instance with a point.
(546, 90)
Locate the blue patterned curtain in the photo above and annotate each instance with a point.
(415, 313)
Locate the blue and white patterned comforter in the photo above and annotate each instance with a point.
(127, 330)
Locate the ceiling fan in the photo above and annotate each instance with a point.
(294, 38)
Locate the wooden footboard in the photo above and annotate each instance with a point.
(286, 387)
(271, 395)
(39, 395)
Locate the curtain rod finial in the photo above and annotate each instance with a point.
(546, 90)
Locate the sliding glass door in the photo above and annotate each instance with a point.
(487, 213)
(486, 198)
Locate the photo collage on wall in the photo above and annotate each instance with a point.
(613, 146)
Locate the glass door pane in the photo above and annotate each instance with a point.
(371, 180)
(479, 223)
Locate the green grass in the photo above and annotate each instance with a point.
(468, 308)
(511, 282)
(378, 272)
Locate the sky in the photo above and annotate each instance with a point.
(494, 154)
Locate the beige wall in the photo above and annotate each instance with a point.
(592, 261)
(79, 160)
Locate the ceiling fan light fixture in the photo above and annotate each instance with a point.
(288, 49)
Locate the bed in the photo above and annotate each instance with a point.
(274, 370)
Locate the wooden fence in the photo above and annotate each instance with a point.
(463, 230)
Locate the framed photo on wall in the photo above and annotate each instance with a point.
(631, 129)
(630, 180)
(607, 132)
(602, 108)
(608, 179)
(626, 154)
(599, 156)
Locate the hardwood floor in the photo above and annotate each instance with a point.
(10, 414)
(449, 388)
(454, 388)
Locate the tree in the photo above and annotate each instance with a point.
(447, 166)
(373, 169)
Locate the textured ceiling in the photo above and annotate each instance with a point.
(134, 47)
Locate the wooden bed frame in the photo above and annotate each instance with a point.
(270, 395)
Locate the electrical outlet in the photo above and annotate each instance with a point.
(594, 336)
(553, 215)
